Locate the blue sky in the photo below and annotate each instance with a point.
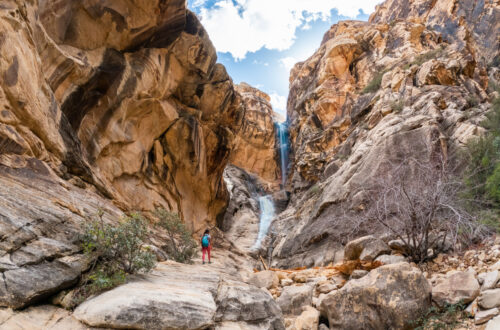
(259, 40)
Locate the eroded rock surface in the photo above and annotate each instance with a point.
(375, 92)
(388, 297)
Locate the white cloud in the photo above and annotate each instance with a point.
(278, 102)
(288, 62)
(248, 25)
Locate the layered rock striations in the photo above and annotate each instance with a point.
(375, 92)
(127, 97)
(255, 147)
(117, 106)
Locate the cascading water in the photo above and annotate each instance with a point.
(266, 206)
(283, 145)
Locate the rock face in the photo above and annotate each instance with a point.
(126, 97)
(465, 23)
(103, 105)
(255, 145)
(375, 92)
(389, 297)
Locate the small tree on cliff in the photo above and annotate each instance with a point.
(419, 202)
(180, 244)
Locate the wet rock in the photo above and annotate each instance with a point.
(369, 303)
(454, 288)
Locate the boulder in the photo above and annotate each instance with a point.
(390, 259)
(326, 286)
(307, 320)
(358, 273)
(387, 298)
(493, 324)
(366, 248)
(42, 317)
(489, 299)
(454, 288)
(265, 279)
(489, 280)
(153, 303)
(294, 298)
(240, 302)
(484, 316)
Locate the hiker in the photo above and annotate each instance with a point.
(206, 245)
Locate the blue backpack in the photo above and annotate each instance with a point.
(204, 241)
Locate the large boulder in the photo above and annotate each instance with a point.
(308, 320)
(239, 302)
(454, 288)
(294, 298)
(171, 297)
(176, 296)
(366, 248)
(387, 298)
(42, 317)
(489, 299)
(265, 279)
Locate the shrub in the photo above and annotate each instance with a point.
(419, 202)
(482, 159)
(448, 317)
(374, 84)
(180, 244)
(397, 106)
(422, 58)
(117, 250)
(472, 101)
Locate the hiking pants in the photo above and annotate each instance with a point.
(207, 250)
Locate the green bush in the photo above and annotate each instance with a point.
(448, 317)
(180, 244)
(374, 84)
(397, 106)
(482, 172)
(117, 250)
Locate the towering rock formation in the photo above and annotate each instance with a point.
(106, 105)
(373, 92)
(125, 96)
(255, 146)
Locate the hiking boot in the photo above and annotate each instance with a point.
(203, 262)
(209, 262)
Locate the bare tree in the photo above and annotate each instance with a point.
(419, 202)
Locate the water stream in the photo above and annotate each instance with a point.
(266, 206)
(266, 203)
(283, 145)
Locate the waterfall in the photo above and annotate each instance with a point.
(266, 206)
(283, 145)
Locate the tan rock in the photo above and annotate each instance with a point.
(493, 324)
(484, 316)
(388, 297)
(365, 248)
(489, 299)
(307, 320)
(455, 287)
(265, 279)
(294, 298)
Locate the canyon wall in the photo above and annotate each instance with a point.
(114, 106)
(374, 92)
